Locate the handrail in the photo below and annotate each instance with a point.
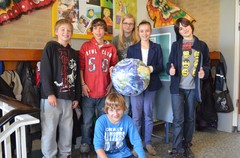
(20, 109)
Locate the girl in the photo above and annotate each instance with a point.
(142, 105)
(127, 36)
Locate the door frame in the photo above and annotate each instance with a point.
(236, 93)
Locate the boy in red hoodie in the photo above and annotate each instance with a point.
(96, 57)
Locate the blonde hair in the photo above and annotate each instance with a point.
(114, 100)
(105, 11)
(134, 36)
(61, 22)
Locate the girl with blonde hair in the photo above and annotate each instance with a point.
(127, 36)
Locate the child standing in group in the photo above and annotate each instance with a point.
(60, 92)
(127, 36)
(111, 130)
(142, 105)
(96, 57)
(188, 63)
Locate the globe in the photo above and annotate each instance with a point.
(130, 77)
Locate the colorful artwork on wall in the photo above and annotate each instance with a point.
(13, 9)
(122, 7)
(165, 13)
(81, 13)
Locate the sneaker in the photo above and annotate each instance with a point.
(176, 154)
(134, 153)
(188, 152)
(151, 150)
(84, 148)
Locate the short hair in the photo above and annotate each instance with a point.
(61, 22)
(114, 100)
(98, 22)
(145, 22)
(184, 22)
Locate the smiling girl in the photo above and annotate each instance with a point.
(142, 105)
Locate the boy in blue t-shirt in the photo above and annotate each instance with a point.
(111, 130)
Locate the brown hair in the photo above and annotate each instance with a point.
(145, 22)
(61, 22)
(98, 22)
(114, 100)
(134, 36)
(184, 22)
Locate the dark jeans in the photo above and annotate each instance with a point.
(89, 108)
(183, 105)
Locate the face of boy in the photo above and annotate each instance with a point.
(115, 114)
(64, 33)
(185, 31)
(98, 33)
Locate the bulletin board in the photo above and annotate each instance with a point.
(81, 13)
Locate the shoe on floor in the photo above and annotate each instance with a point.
(84, 148)
(188, 152)
(176, 154)
(150, 149)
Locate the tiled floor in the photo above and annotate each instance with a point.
(206, 144)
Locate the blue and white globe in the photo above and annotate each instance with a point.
(130, 77)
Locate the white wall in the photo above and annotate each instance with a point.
(227, 47)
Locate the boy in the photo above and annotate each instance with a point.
(112, 128)
(60, 92)
(96, 57)
(185, 84)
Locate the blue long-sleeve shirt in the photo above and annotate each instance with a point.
(111, 137)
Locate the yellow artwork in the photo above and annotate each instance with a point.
(81, 13)
(122, 7)
(165, 13)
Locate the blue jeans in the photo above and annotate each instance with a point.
(91, 108)
(183, 105)
(127, 101)
(142, 114)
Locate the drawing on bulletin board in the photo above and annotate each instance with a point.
(123, 7)
(164, 39)
(81, 13)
